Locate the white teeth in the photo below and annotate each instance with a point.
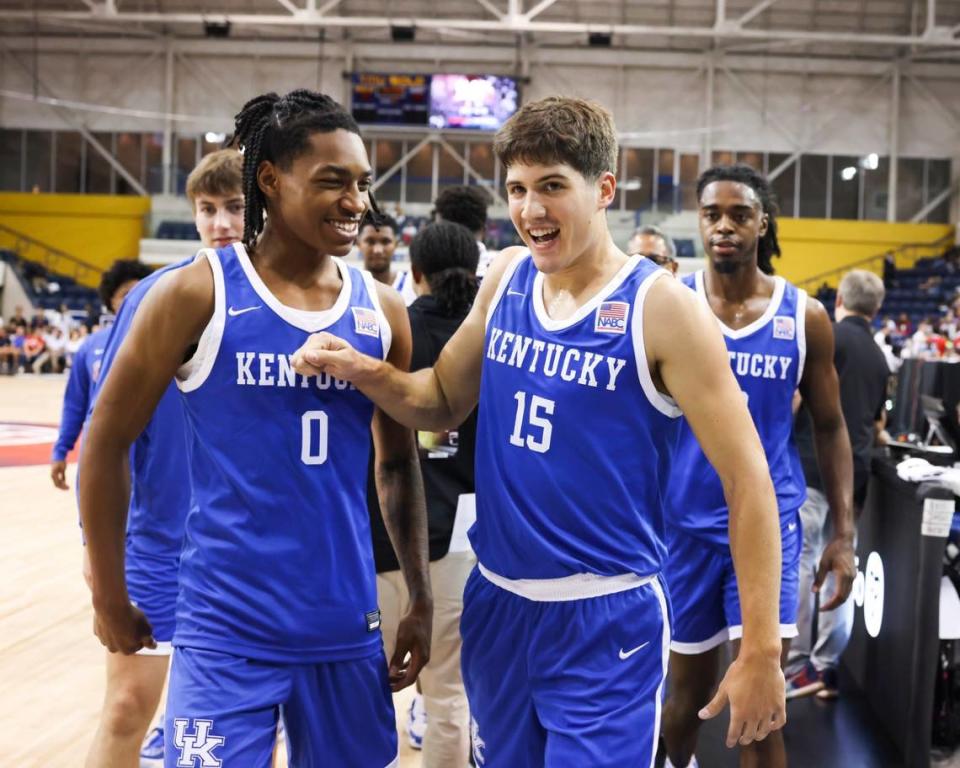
(542, 232)
(348, 226)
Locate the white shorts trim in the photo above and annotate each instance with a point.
(164, 648)
(692, 649)
(395, 763)
(786, 631)
(580, 586)
(665, 653)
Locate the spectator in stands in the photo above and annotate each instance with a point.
(56, 344)
(93, 316)
(38, 320)
(889, 270)
(904, 325)
(33, 354)
(18, 317)
(8, 352)
(77, 337)
(656, 245)
(863, 374)
(467, 206)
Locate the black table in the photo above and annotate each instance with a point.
(892, 655)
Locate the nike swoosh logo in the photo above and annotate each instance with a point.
(98, 352)
(511, 292)
(234, 312)
(792, 527)
(627, 654)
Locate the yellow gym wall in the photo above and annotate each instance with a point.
(96, 229)
(814, 246)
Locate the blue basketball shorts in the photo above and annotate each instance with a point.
(152, 585)
(222, 711)
(556, 678)
(703, 588)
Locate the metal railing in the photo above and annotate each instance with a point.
(52, 259)
(905, 256)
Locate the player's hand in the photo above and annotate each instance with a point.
(413, 646)
(326, 353)
(58, 473)
(837, 559)
(755, 688)
(123, 629)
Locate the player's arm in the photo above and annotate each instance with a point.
(821, 392)
(434, 398)
(170, 319)
(75, 404)
(403, 505)
(690, 360)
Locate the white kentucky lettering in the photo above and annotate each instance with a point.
(743, 363)
(244, 377)
(504, 341)
(538, 347)
(769, 366)
(565, 372)
(197, 746)
(495, 334)
(266, 375)
(615, 365)
(756, 365)
(784, 365)
(286, 376)
(590, 363)
(520, 346)
(552, 361)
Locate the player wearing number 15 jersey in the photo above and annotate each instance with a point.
(581, 359)
(277, 606)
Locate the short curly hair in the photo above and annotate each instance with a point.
(122, 271)
(464, 205)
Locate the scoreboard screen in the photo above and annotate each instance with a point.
(391, 99)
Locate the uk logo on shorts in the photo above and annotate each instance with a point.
(784, 328)
(196, 749)
(612, 317)
(365, 321)
(476, 742)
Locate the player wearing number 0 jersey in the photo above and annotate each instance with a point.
(577, 355)
(277, 607)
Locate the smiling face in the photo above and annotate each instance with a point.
(558, 213)
(322, 195)
(732, 222)
(219, 218)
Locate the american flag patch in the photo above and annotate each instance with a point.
(612, 317)
(784, 328)
(365, 321)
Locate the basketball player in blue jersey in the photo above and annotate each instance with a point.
(777, 341)
(159, 499)
(115, 284)
(581, 359)
(277, 605)
(377, 243)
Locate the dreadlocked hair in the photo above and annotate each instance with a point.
(769, 246)
(278, 129)
(447, 255)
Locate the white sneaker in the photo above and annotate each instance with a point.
(417, 722)
(692, 764)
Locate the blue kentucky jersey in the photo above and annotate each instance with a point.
(767, 357)
(159, 473)
(277, 562)
(573, 442)
(79, 395)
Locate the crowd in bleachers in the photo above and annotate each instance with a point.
(44, 343)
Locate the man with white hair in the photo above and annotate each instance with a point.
(863, 373)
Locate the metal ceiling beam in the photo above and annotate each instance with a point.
(496, 12)
(754, 12)
(293, 9)
(514, 22)
(538, 9)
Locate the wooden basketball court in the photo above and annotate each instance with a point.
(51, 665)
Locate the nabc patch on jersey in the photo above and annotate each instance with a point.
(784, 328)
(612, 317)
(365, 321)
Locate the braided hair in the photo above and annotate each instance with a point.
(769, 246)
(447, 254)
(278, 129)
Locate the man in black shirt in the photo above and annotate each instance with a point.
(863, 373)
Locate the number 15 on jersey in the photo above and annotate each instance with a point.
(527, 423)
